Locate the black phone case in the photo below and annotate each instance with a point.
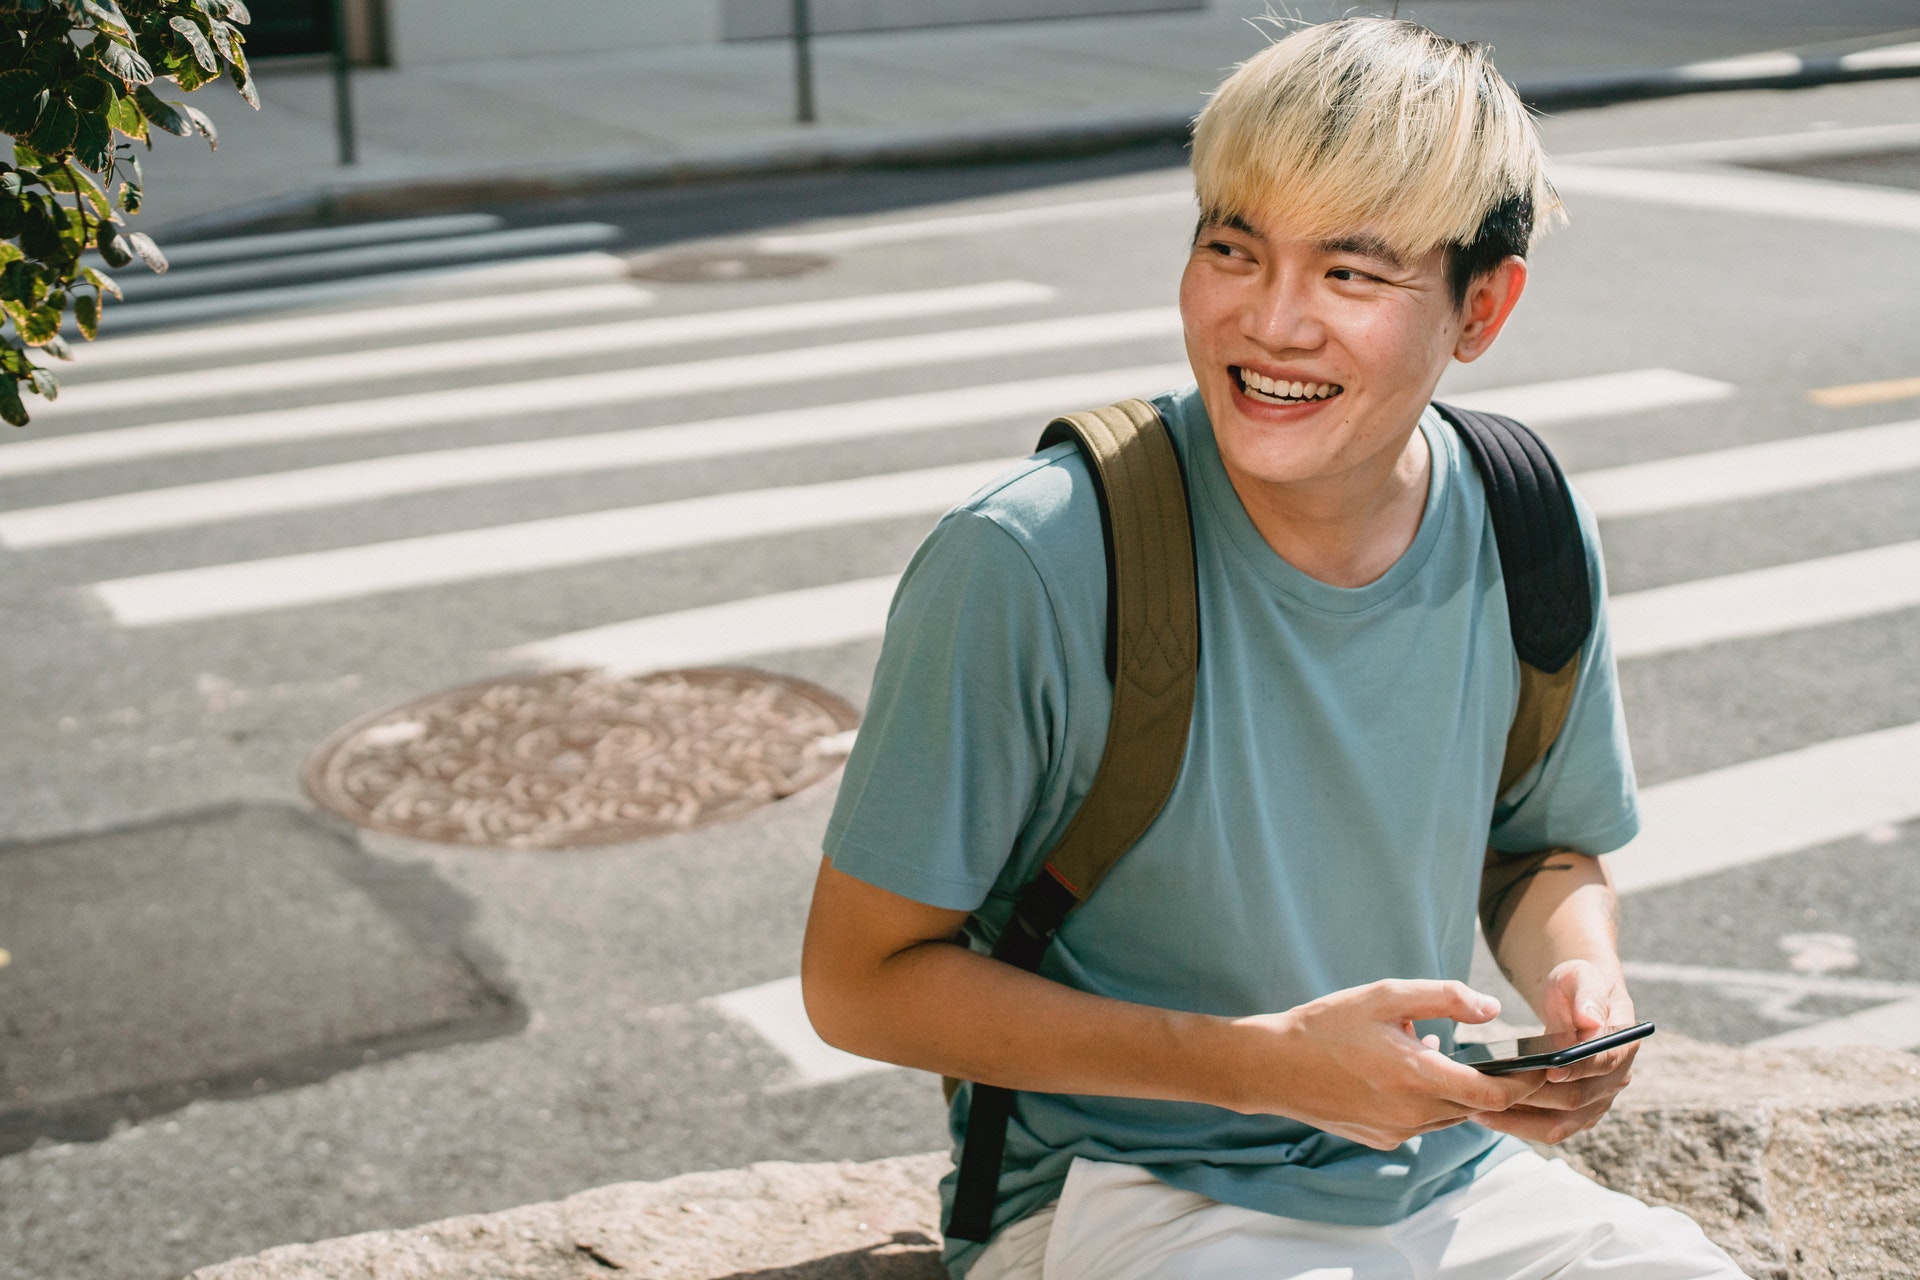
(1565, 1057)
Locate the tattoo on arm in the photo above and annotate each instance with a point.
(1503, 882)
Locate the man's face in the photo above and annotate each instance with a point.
(1315, 358)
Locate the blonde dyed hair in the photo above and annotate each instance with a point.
(1374, 124)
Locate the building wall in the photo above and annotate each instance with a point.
(756, 19)
(456, 30)
(418, 31)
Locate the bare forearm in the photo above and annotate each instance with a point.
(1541, 910)
(942, 1008)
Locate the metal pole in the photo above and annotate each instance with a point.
(342, 82)
(802, 62)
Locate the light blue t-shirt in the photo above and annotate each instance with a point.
(1327, 829)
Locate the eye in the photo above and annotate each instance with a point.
(1350, 275)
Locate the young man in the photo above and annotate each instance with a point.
(1229, 1065)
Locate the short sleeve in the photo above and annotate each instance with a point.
(962, 727)
(1582, 796)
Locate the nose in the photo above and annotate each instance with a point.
(1282, 315)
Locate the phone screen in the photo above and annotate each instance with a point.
(1530, 1053)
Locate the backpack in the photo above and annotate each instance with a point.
(1153, 658)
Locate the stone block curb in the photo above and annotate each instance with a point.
(1804, 1164)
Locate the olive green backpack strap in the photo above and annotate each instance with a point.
(1153, 656)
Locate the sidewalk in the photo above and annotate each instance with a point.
(446, 135)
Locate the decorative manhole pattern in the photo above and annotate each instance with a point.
(581, 758)
(715, 266)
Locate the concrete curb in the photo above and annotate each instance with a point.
(1030, 139)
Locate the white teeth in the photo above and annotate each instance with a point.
(1283, 390)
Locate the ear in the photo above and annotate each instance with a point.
(1490, 299)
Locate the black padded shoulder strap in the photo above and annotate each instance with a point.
(1541, 554)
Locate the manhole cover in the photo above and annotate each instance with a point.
(718, 265)
(580, 758)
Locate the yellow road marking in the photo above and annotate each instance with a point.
(1866, 393)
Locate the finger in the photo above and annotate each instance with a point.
(1544, 1126)
(1475, 1090)
(1412, 1000)
(1612, 1062)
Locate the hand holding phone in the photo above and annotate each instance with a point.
(1542, 1053)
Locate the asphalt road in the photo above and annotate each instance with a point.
(229, 1022)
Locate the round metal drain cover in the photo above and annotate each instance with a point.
(581, 758)
(715, 266)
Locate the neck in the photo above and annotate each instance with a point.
(1345, 529)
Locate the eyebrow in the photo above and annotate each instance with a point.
(1367, 246)
(1228, 222)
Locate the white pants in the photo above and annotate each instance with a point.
(1526, 1219)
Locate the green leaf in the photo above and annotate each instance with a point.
(165, 114)
(125, 116)
(230, 10)
(86, 186)
(197, 41)
(116, 250)
(203, 124)
(41, 326)
(93, 147)
(225, 39)
(10, 407)
(9, 252)
(142, 243)
(43, 381)
(130, 197)
(26, 157)
(243, 81)
(101, 281)
(54, 135)
(123, 61)
(23, 98)
(86, 315)
(106, 16)
(56, 346)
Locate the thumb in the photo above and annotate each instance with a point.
(1577, 996)
(1408, 1001)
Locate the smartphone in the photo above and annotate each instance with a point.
(1537, 1053)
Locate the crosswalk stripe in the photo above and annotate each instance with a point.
(1602, 395)
(1751, 471)
(187, 505)
(778, 1014)
(1887, 1026)
(1686, 615)
(1809, 593)
(1776, 805)
(366, 322)
(1779, 196)
(551, 395)
(251, 586)
(727, 632)
(967, 224)
(234, 248)
(572, 235)
(348, 368)
(555, 269)
(182, 506)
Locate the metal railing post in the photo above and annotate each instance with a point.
(342, 83)
(802, 62)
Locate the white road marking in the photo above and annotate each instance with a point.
(553, 395)
(968, 224)
(352, 367)
(1775, 805)
(777, 1013)
(183, 506)
(308, 488)
(1602, 395)
(1887, 1026)
(571, 235)
(1769, 195)
(234, 248)
(1751, 471)
(557, 269)
(1787, 597)
(726, 632)
(1805, 145)
(251, 586)
(1885, 58)
(366, 322)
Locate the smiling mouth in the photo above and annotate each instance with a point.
(1274, 391)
